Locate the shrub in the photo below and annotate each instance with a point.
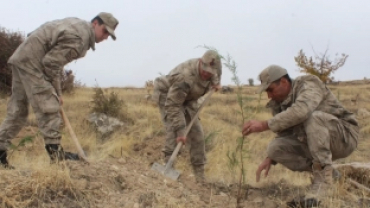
(110, 105)
(251, 82)
(9, 41)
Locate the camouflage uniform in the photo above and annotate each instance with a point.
(36, 66)
(177, 94)
(312, 127)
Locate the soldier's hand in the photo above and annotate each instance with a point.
(60, 100)
(181, 139)
(254, 126)
(216, 87)
(265, 165)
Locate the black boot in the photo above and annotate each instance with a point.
(56, 153)
(4, 161)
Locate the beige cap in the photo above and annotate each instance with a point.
(211, 62)
(269, 75)
(110, 23)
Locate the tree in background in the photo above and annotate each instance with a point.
(9, 41)
(320, 65)
(251, 82)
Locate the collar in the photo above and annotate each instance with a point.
(197, 70)
(92, 38)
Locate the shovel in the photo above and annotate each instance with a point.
(73, 135)
(168, 170)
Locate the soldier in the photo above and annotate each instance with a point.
(312, 127)
(177, 94)
(36, 68)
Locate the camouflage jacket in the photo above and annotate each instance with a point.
(308, 94)
(182, 87)
(51, 46)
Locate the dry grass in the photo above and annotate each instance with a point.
(37, 182)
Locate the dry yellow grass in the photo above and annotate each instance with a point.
(219, 116)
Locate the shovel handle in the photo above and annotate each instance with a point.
(178, 147)
(73, 135)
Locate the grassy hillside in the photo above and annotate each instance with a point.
(120, 174)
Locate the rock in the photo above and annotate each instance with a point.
(362, 113)
(113, 167)
(94, 185)
(123, 185)
(104, 124)
(122, 161)
(226, 89)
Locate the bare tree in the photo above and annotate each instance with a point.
(320, 65)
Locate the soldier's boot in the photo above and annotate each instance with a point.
(56, 153)
(4, 162)
(336, 174)
(322, 181)
(199, 173)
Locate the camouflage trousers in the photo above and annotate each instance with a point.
(35, 90)
(195, 137)
(327, 138)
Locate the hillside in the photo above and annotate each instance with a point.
(120, 176)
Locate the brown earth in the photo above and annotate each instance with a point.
(125, 179)
(127, 182)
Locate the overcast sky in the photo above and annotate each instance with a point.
(156, 35)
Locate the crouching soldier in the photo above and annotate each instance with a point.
(312, 127)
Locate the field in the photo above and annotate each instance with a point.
(119, 174)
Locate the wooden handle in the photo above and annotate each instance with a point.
(73, 135)
(178, 147)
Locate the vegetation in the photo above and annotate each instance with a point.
(251, 82)
(9, 41)
(110, 104)
(240, 153)
(320, 65)
(36, 183)
(119, 174)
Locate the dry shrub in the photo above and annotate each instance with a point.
(40, 189)
(110, 105)
(9, 41)
(68, 79)
(69, 83)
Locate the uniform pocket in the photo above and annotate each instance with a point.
(46, 99)
(350, 132)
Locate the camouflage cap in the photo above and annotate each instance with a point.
(110, 23)
(269, 75)
(211, 62)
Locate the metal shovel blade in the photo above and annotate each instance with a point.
(170, 173)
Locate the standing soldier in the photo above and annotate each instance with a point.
(312, 127)
(177, 94)
(36, 68)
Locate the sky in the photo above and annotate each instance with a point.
(154, 36)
